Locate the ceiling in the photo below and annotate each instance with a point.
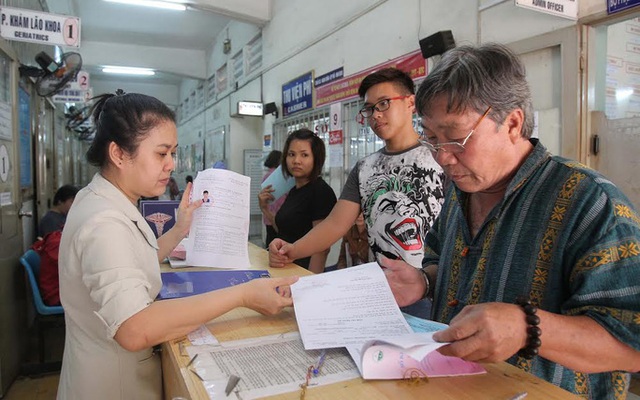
(130, 35)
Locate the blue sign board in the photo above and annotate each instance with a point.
(297, 94)
(614, 6)
(329, 77)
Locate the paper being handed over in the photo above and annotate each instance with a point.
(346, 307)
(220, 227)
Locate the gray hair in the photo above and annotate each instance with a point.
(479, 77)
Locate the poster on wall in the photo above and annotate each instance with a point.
(198, 154)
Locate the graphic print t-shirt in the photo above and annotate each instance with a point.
(401, 195)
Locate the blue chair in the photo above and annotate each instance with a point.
(46, 316)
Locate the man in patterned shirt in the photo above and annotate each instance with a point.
(521, 222)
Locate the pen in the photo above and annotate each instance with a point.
(316, 370)
(519, 396)
(192, 360)
(231, 384)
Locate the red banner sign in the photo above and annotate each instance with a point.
(335, 137)
(346, 88)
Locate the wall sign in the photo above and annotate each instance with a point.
(560, 8)
(347, 88)
(5, 163)
(614, 6)
(297, 94)
(39, 27)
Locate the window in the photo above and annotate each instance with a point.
(211, 88)
(238, 66)
(221, 79)
(253, 55)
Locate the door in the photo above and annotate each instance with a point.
(551, 62)
(12, 279)
(612, 48)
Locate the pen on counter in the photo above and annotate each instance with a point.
(231, 384)
(192, 360)
(316, 369)
(519, 396)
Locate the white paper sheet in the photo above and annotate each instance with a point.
(220, 228)
(267, 366)
(346, 307)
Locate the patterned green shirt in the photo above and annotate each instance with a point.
(563, 235)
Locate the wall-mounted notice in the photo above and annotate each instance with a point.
(39, 27)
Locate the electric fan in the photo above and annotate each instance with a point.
(52, 76)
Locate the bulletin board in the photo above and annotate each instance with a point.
(253, 169)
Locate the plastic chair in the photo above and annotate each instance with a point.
(46, 316)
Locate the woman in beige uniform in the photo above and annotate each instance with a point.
(109, 274)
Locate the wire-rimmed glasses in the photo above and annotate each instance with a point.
(451, 147)
(380, 106)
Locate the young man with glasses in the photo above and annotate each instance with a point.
(534, 259)
(398, 188)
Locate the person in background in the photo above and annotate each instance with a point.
(109, 260)
(172, 192)
(354, 249)
(398, 188)
(534, 259)
(271, 163)
(55, 218)
(308, 202)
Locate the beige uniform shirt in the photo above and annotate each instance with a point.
(108, 272)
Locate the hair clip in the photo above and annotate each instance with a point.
(120, 92)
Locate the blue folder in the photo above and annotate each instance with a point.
(189, 283)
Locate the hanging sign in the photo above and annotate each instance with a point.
(4, 163)
(39, 27)
(560, 8)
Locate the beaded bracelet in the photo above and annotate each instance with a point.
(533, 331)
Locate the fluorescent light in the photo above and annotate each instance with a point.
(623, 94)
(152, 3)
(108, 69)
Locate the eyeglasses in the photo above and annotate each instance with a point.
(451, 147)
(382, 105)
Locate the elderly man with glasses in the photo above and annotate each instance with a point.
(398, 188)
(534, 259)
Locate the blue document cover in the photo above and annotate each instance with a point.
(185, 284)
(279, 183)
(159, 214)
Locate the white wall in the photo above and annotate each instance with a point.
(168, 94)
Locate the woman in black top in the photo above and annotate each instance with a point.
(310, 200)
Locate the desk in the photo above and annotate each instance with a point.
(501, 382)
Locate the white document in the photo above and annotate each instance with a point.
(267, 366)
(220, 227)
(346, 307)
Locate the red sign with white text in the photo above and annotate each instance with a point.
(335, 137)
(346, 88)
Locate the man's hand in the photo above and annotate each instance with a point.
(488, 332)
(405, 280)
(280, 253)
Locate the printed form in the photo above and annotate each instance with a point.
(220, 227)
(346, 307)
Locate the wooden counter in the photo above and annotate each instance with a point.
(502, 381)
